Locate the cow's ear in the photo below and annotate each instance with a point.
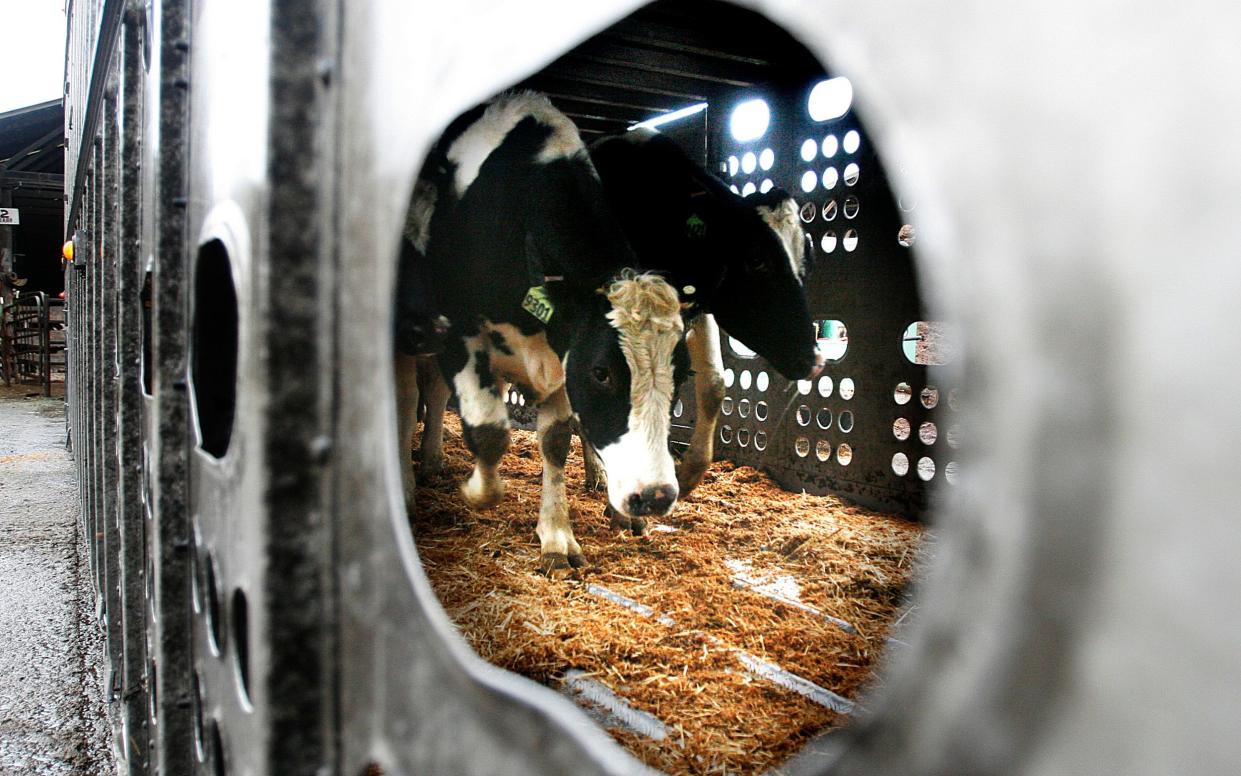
(811, 256)
(535, 268)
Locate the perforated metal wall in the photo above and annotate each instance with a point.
(835, 434)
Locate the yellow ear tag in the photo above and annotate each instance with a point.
(538, 304)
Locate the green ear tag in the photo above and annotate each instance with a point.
(538, 304)
(695, 226)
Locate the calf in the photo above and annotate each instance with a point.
(418, 335)
(526, 261)
(739, 261)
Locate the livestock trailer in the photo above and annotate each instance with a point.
(238, 175)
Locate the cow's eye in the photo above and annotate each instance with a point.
(602, 376)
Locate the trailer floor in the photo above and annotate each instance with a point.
(52, 714)
(721, 642)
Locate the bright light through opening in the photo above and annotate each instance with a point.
(748, 162)
(749, 120)
(830, 99)
(665, 118)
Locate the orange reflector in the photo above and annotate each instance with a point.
(67, 250)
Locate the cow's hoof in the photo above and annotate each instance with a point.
(432, 467)
(479, 498)
(555, 561)
(622, 523)
(410, 488)
(596, 484)
(689, 476)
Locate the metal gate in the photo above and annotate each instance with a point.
(32, 340)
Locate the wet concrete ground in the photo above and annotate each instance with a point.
(52, 667)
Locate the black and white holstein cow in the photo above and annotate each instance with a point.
(527, 262)
(738, 261)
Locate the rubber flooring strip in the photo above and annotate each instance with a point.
(790, 681)
(610, 709)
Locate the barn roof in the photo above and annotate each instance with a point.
(32, 158)
(32, 139)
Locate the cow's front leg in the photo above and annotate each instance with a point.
(558, 547)
(596, 477)
(707, 362)
(436, 394)
(406, 372)
(484, 418)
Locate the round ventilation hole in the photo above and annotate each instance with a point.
(213, 344)
(901, 429)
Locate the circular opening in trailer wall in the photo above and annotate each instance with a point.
(212, 605)
(213, 348)
(217, 757)
(199, 721)
(152, 683)
(146, 299)
(773, 585)
(239, 610)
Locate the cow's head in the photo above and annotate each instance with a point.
(760, 299)
(743, 260)
(621, 371)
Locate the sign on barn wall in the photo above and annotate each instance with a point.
(9, 216)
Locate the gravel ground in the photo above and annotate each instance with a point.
(53, 718)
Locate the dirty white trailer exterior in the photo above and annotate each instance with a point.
(1077, 176)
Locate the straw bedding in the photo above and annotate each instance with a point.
(679, 661)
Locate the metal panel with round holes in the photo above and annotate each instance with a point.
(863, 292)
(259, 385)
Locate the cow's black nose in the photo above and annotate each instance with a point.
(653, 500)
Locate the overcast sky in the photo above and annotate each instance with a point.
(32, 67)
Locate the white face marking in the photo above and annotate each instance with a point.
(472, 148)
(418, 220)
(646, 313)
(637, 461)
(784, 222)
